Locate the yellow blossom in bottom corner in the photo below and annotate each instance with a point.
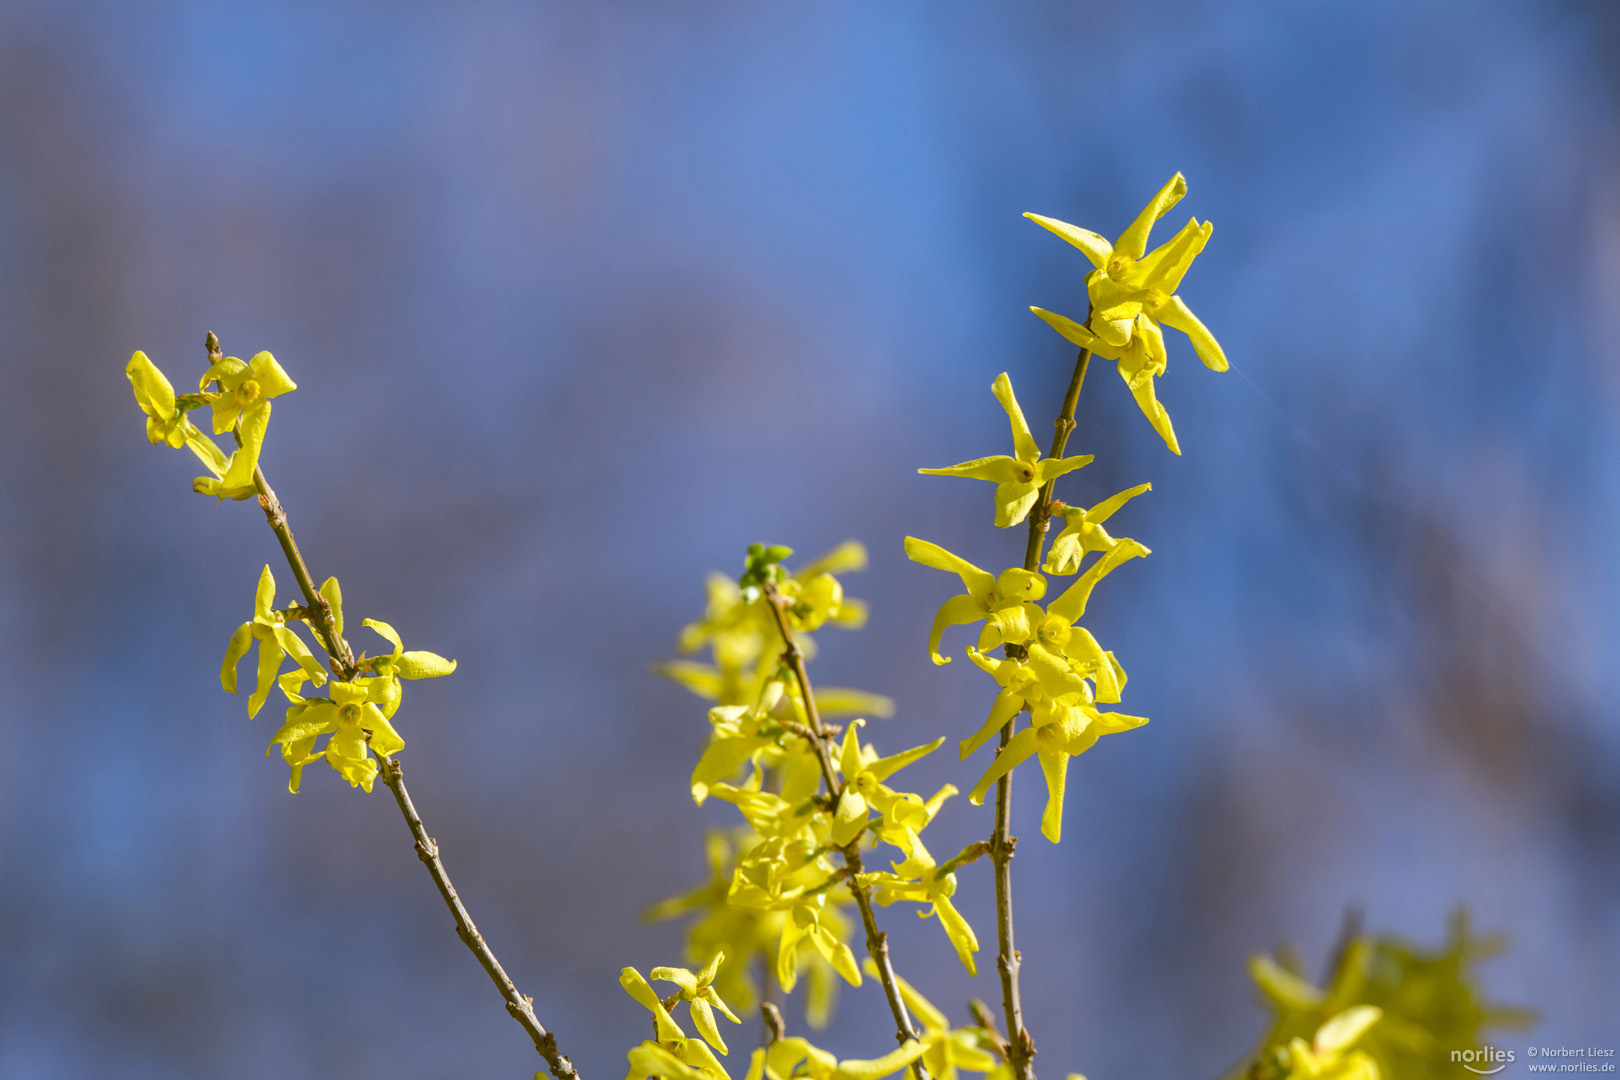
(670, 1053)
(1329, 1056)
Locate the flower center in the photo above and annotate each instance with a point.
(247, 395)
(1054, 632)
(348, 714)
(1049, 736)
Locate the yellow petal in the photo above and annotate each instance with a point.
(929, 554)
(1072, 604)
(1096, 248)
(241, 641)
(1174, 313)
(998, 469)
(1133, 241)
(703, 1020)
(271, 378)
(1078, 334)
(1024, 446)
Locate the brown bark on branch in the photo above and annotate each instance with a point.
(319, 615)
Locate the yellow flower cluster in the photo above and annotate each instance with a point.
(1053, 668)
(355, 719)
(1405, 1008)
(1132, 295)
(775, 892)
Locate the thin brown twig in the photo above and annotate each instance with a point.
(877, 942)
(1021, 1048)
(520, 1005)
(319, 615)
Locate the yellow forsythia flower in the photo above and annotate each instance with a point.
(1019, 478)
(355, 723)
(996, 598)
(269, 628)
(670, 1053)
(242, 403)
(1083, 531)
(700, 997)
(1131, 292)
(166, 422)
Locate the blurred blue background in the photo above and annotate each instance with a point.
(581, 299)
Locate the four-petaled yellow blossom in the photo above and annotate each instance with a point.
(998, 599)
(936, 891)
(355, 723)
(166, 421)
(1019, 478)
(1068, 730)
(699, 994)
(397, 665)
(1132, 292)
(670, 1053)
(269, 628)
(242, 402)
(1083, 531)
(864, 772)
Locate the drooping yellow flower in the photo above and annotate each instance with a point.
(1000, 599)
(864, 790)
(166, 422)
(936, 891)
(699, 994)
(1130, 281)
(805, 922)
(355, 725)
(1019, 478)
(669, 1053)
(269, 628)
(397, 665)
(1132, 293)
(1041, 681)
(1070, 730)
(1083, 531)
(242, 402)
(745, 645)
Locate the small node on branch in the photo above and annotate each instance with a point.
(775, 1026)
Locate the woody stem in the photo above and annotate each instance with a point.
(1020, 1047)
(519, 1005)
(877, 942)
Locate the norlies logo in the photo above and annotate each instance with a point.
(1484, 1061)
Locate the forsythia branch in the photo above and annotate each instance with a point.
(1020, 1047)
(521, 1006)
(319, 615)
(877, 942)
